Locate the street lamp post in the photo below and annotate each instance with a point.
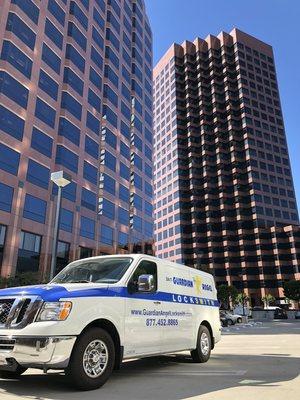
(61, 179)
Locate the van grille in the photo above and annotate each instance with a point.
(18, 312)
(7, 344)
(5, 307)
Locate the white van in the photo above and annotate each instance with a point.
(101, 310)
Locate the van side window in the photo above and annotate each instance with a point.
(145, 267)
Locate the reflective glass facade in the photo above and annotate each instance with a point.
(224, 195)
(75, 94)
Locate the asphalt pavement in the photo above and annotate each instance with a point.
(256, 361)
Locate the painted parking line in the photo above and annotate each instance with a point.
(190, 373)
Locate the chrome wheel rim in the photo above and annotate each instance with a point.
(95, 358)
(204, 343)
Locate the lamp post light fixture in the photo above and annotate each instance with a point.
(60, 179)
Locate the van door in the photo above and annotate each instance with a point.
(143, 335)
(179, 325)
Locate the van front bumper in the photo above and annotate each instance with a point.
(35, 352)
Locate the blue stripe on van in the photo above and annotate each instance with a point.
(56, 292)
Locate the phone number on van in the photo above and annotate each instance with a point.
(161, 322)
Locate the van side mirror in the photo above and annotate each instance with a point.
(146, 283)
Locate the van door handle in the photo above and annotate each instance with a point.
(157, 302)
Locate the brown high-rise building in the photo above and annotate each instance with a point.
(224, 196)
(75, 94)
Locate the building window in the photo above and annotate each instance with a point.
(29, 8)
(123, 240)
(88, 199)
(66, 158)
(109, 138)
(9, 160)
(63, 252)
(73, 55)
(54, 34)
(92, 123)
(106, 235)
(11, 124)
(21, 30)
(137, 223)
(66, 220)
(96, 57)
(51, 59)
(69, 103)
(41, 142)
(79, 14)
(124, 150)
(76, 34)
(98, 39)
(108, 209)
(73, 80)
(69, 130)
(45, 113)
(35, 209)
(87, 228)
(124, 171)
(109, 184)
(2, 241)
(94, 100)
(90, 172)
(95, 78)
(123, 216)
(85, 252)
(56, 11)
(97, 17)
(29, 252)
(48, 85)
(124, 193)
(38, 174)
(110, 116)
(16, 58)
(11, 88)
(91, 147)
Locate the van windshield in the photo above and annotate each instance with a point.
(105, 270)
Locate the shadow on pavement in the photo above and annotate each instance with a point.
(165, 377)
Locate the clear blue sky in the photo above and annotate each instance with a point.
(276, 22)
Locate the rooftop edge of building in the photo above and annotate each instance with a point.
(211, 41)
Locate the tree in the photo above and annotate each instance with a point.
(227, 295)
(242, 299)
(24, 279)
(267, 299)
(292, 291)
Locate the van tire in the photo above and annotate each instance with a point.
(204, 341)
(13, 374)
(91, 345)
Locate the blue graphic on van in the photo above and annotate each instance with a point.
(183, 282)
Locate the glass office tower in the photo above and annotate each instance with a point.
(224, 195)
(75, 95)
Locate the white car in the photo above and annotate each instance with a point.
(101, 310)
(232, 319)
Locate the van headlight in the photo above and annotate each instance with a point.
(55, 311)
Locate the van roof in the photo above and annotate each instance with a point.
(155, 259)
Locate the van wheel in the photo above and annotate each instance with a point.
(202, 353)
(92, 360)
(13, 374)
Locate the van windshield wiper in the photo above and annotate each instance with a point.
(79, 281)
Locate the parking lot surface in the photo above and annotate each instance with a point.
(252, 362)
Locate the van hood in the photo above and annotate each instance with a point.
(56, 292)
